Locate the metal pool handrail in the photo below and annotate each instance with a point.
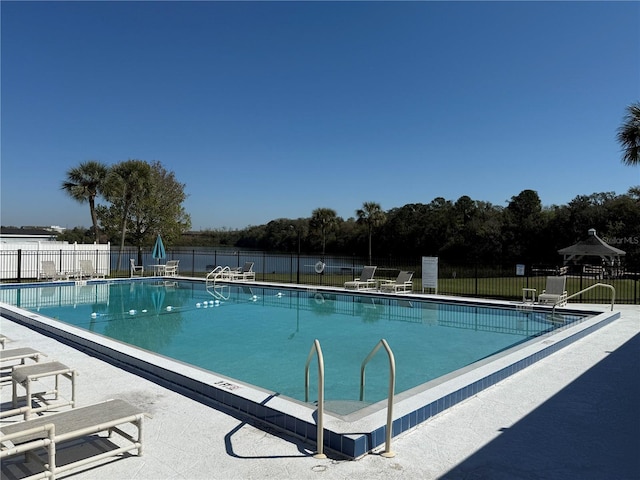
(320, 422)
(613, 295)
(392, 381)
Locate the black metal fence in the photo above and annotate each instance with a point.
(495, 282)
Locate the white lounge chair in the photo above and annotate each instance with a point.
(88, 270)
(49, 271)
(244, 273)
(401, 284)
(555, 293)
(21, 354)
(136, 270)
(50, 431)
(28, 377)
(366, 280)
(171, 268)
(8, 359)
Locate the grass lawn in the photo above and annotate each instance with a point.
(507, 288)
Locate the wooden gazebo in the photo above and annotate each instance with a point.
(593, 254)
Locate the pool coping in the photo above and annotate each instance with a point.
(352, 435)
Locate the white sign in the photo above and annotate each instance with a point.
(520, 270)
(430, 273)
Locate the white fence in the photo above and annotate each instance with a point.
(24, 260)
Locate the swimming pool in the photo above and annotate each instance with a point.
(262, 336)
(255, 340)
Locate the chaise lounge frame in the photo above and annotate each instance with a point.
(49, 271)
(244, 273)
(402, 284)
(366, 280)
(87, 270)
(49, 431)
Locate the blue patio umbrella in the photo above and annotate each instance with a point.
(158, 249)
(157, 297)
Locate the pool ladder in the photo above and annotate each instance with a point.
(315, 348)
(220, 292)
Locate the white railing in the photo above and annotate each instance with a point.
(388, 453)
(606, 285)
(320, 421)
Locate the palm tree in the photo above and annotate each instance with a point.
(126, 188)
(84, 183)
(372, 216)
(629, 135)
(323, 219)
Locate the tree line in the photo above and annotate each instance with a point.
(464, 231)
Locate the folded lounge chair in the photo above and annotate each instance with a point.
(365, 281)
(401, 284)
(49, 271)
(50, 431)
(555, 293)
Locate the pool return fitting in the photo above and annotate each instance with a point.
(315, 348)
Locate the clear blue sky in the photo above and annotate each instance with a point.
(270, 110)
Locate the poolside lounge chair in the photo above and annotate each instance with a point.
(171, 268)
(50, 431)
(13, 355)
(401, 284)
(365, 282)
(88, 270)
(244, 273)
(28, 377)
(136, 270)
(555, 293)
(49, 271)
(21, 354)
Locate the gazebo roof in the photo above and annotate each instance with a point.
(592, 246)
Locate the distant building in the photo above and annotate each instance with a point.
(27, 234)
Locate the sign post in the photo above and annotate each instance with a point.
(430, 273)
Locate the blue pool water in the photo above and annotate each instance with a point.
(263, 336)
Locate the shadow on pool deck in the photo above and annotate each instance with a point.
(588, 430)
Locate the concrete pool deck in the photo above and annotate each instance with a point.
(571, 415)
